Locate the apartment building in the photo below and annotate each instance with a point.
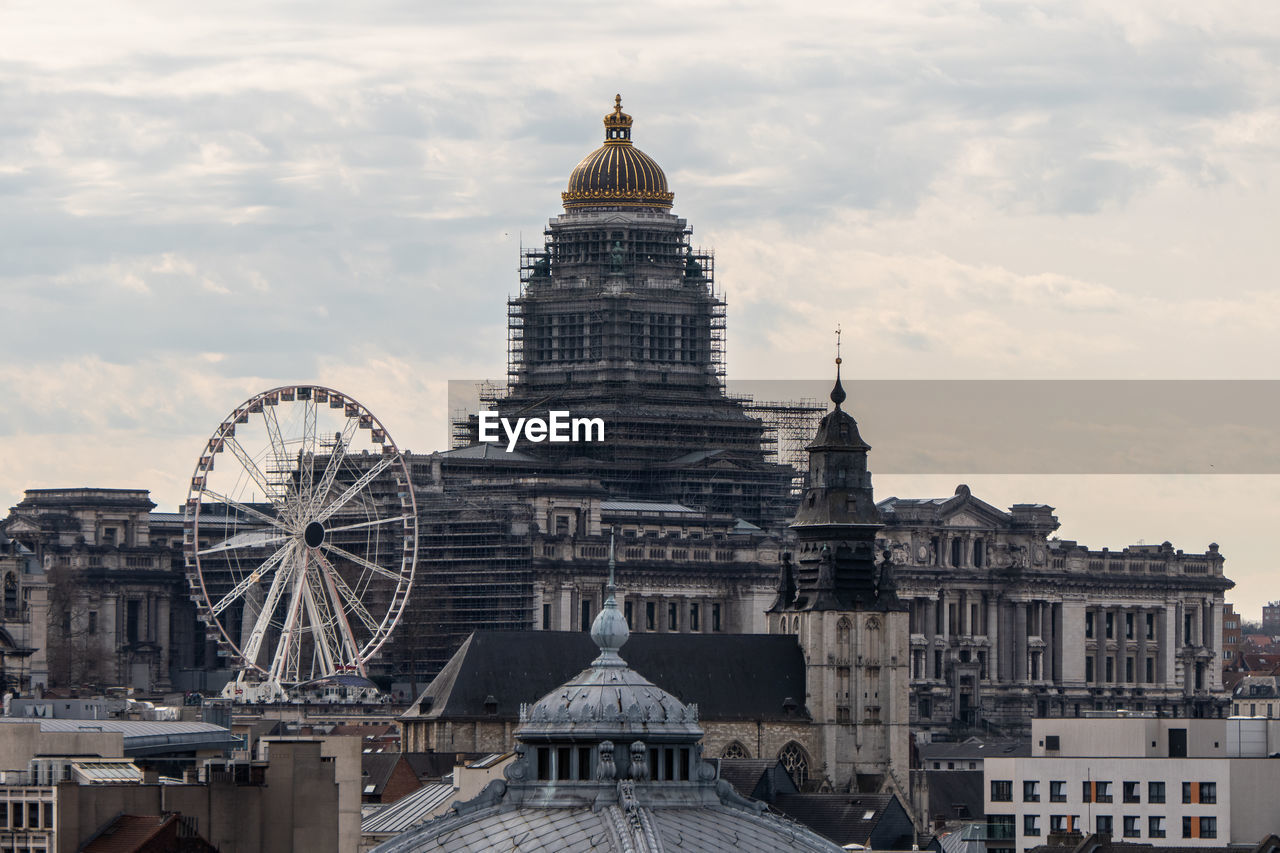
(1137, 777)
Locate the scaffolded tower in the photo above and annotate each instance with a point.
(618, 317)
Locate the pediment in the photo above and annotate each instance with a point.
(20, 524)
(964, 519)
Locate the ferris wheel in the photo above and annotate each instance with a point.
(300, 533)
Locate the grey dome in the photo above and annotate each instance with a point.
(609, 701)
(709, 829)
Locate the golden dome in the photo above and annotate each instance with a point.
(617, 173)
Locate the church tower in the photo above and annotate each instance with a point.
(837, 595)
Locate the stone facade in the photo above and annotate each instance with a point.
(118, 611)
(1008, 623)
(24, 658)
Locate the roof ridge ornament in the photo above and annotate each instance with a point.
(610, 630)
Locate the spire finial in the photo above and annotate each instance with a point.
(617, 103)
(612, 565)
(837, 393)
(610, 630)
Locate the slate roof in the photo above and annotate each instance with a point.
(728, 676)
(375, 771)
(757, 778)
(844, 818)
(955, 794)
(126, 833)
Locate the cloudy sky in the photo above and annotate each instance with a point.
(196, 205)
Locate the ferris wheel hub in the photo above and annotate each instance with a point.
(313, 534)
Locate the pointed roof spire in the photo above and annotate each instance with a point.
(837, 393)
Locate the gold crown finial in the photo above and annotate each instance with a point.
(617, 124)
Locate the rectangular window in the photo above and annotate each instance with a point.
(1111, 669)
(1208, 792)
(1088, 625)
(1057, 792)
(1051, 743)
(1132, 793)
(1000, 826)
(1030, 792)
(715, 617)
(673, 616)
(1111, 625)
(1208, 827)
(1001, 791)
(1057, 823)
(93, 621)
(1103, 823)
(546, 617)
(1086, 792)
(1151, 626)
(1151, 670)
(1102, 791)
(650, 615)
(1128, 626)
(586, 616)
(1186, 792)
(1155, 827)
(1030, 824)
(1155, 792)
(1131, 829)
(627, 613)
(1128, 670)
(1186, 827)
(694, 618)
(1088, 669)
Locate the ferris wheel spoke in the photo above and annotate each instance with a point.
(249, 580)
(252, 469)
(307, 456)
(361, 561)
(373, 523)
(245, 508)
(326, 644)
(355, 488)
(260, 625)
(346, 594)
(286, 658)
(332, 466)
(248, 542)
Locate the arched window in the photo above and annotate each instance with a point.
(796, 761)
(735, 750)
(843, 627)
(871, 652)
(10, 594)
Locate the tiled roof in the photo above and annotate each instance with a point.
(127, 833)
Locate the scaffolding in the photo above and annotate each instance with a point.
(474, 573)
(789, 427)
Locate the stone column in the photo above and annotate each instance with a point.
(1020, 642)
(994, 658)
(1071, 642)
(1140, 659)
